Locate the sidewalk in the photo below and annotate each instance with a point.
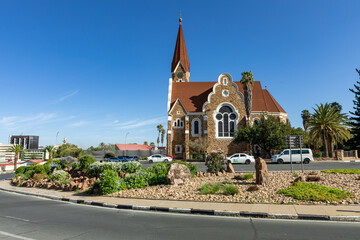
(277, 211)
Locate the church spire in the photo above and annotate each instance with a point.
(180, 54)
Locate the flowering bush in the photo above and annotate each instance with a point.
(86, 160)
(215, 161)
(130, 167)
(139, 179)
(110, 182)
(97, 167)
(59, 175)
(66, 162)
(157, 173)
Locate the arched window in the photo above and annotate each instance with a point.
(178, 123)
(196, 127)
(226, 120)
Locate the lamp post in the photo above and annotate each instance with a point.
(125, 142)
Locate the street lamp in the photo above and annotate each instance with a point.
(125, 142)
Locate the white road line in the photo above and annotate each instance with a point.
(15, 236)
(16, 218)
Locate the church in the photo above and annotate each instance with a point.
(213, 110)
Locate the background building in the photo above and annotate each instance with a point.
(27, 141)
(4, 154)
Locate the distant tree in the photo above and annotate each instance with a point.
(269, 133)
(50, 149)
(159, 128)
(328, 126)
(146, 143)
(69, 149)
(162, 136)
(152, 144)
(17, 149)
(355, 116)
(247, 81)
(199, 145)
(336, 106)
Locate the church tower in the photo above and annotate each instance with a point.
(180, 66)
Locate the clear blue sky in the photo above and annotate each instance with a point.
(95, 70)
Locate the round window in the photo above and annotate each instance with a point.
(232, 116)
(225, 93)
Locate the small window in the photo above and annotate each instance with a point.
(225, 81)
(196, 127)
(286, 152)
(295, 151)
(178, 149)
(305, 151)
(178, 123)
(242, 155)
(178, 112)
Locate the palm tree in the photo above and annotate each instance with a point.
(159, 127)
(328, 126)
(162, 136)
(336, 105)
(247, 81)
(50, 149)
(17, 149)
(305, 115)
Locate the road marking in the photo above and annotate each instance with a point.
(15, 236)
(21, 219)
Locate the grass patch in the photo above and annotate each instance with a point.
(296, 175)
(314, 192)
(248, 176)
(230, 189)
(207, 188)
(342, 171)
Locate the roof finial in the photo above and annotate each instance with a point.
(180, 19)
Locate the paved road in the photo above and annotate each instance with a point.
(271, 167)
(25, 217)
(286, 167)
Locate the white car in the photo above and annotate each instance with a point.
(158, 158)
(241, 158)
(284, 156)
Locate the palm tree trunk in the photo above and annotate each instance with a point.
(15, 160)
(325, 146)
(248, 99)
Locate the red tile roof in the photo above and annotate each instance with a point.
(180, 53)
(193, 95)
(132, 147)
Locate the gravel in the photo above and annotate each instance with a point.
(189, 191)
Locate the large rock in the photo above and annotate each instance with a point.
(261, 171)
(230, 168)
(177, 171)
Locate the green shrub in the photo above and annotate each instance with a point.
(342, 171)
(21, 170)
(207, 188)
(230, 189)
(131, 167)
(139, 179)
(59, 175)
(110, 182)
(85, 161)
(145, 158)
(314, 192)
(295, 175)
(39, 169)
(215, 161)
(157, 174)
(317, 154)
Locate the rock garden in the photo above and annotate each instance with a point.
(181, 181)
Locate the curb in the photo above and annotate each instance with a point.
(357, 161)
(199, 211)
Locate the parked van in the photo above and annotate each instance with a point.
(284, 156)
